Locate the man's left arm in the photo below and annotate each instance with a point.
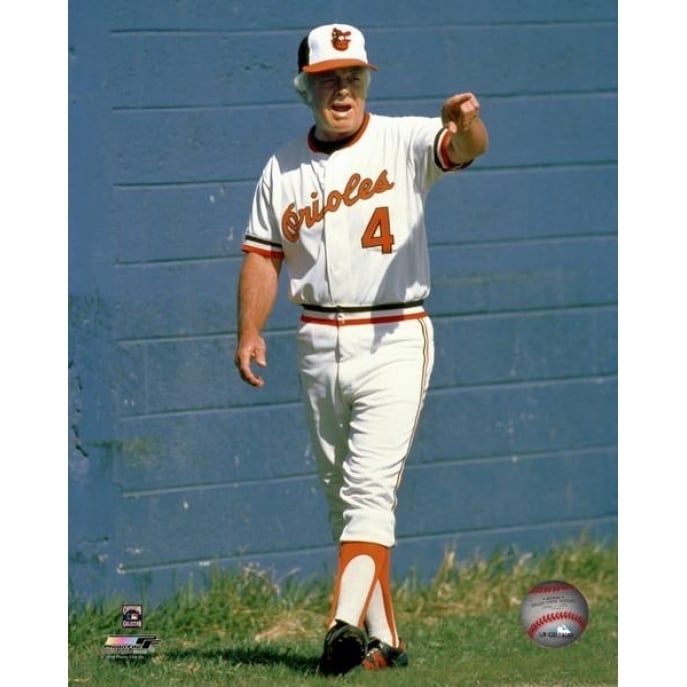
(469, 137)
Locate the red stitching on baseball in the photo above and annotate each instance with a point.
(559, 615)
(548, 588)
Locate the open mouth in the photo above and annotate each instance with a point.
(341, 107)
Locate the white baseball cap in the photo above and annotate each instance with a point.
(332, 46)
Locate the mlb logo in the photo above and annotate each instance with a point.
(132, 616)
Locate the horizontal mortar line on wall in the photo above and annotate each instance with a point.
(416, 99)
(310, 475)
(194, 183)
(291, 330)
(528, 240)
(520, 23)
(215, 410)
(155, 262)
(480, 168)
(209, 107)
(502, 384)
(228, 334)
(118, 32)
(195, 107)
(213, 486)
(543, 166)
(531, 312)
(488, 98)
(515, 313)
(519, 313)
(513, 457)
(185, 338)
(436, 317)
(520, 527)
(233, 558)
(433, 391)
(373, 101)
(537, 382)
(525, 167)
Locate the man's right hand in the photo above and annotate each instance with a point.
(251, 348)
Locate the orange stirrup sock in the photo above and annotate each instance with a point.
(380, 621)
(360, 564)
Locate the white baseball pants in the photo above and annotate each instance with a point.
(364, 379)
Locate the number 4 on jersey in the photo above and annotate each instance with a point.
(378, 231)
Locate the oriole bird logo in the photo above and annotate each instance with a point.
(340, 39)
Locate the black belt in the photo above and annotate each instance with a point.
(361, 308)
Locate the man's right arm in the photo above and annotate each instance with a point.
(257, 292)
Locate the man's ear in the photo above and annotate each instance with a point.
(300, 83)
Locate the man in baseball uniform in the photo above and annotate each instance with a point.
(343, 208)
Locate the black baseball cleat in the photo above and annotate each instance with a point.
(380, 656)
(345, 647)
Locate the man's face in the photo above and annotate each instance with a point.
(338, 102)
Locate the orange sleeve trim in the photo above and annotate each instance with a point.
(266, 252)
(442, 153)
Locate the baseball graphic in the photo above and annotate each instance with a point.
(554, 613)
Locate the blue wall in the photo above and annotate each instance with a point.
(174, 109)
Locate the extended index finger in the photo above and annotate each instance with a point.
(459, 98)
(452, 106)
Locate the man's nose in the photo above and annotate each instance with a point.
(341, 82)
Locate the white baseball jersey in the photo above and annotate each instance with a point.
(350, 224)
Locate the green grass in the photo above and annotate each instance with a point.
(462, 628)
